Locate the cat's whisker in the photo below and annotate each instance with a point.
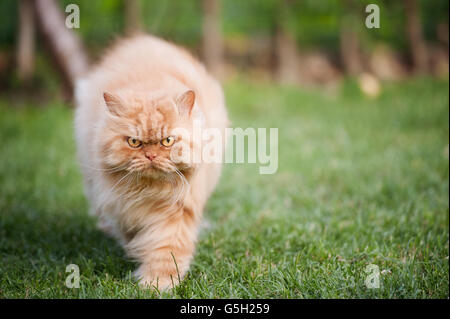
(112, 169)
(120, 180)
(172, 186)
(180, 192)
(185, 184)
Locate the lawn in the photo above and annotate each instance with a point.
(360, 181)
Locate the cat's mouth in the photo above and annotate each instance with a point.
(157, 168)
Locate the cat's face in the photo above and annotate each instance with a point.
(147, 136)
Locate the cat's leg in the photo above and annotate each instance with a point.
(110, 228)
(165, 251)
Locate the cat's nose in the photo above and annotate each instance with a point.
(150, 156)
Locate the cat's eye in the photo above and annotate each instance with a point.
(134, 142)
(168, 141)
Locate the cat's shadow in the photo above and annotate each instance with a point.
(41, 240)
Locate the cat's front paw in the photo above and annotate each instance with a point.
(161, 282)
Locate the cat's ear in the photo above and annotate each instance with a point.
(114, 103)
(185, 103)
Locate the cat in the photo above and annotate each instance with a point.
(129, 109)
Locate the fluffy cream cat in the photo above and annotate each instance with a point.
(130, 109)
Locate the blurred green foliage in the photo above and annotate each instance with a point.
(8, 18)
(315, 23)
(99, 20)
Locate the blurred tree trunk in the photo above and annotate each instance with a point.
(350, 47)
(25, 53)
(63, 43)
(286, 51)
(442, 34)
(413, 30)
(132, 13)
(212, 49)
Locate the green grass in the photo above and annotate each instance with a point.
(359, 182)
